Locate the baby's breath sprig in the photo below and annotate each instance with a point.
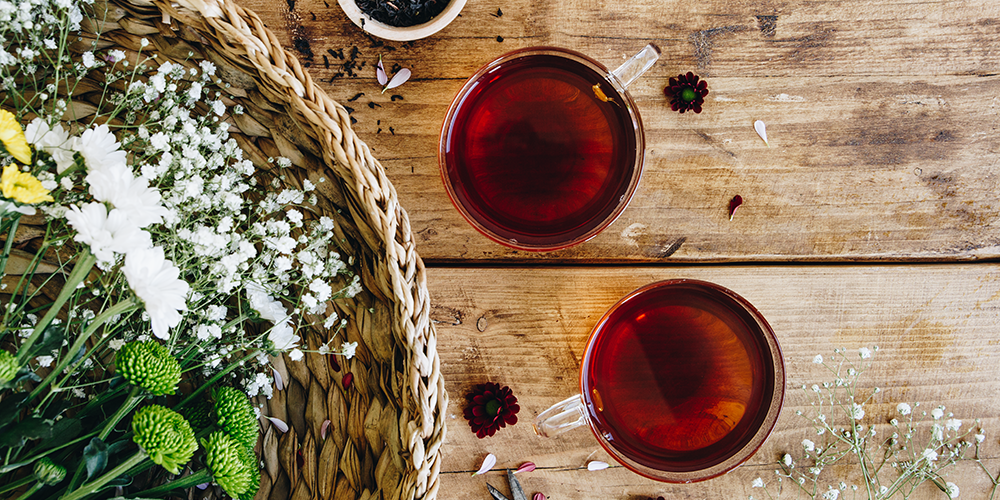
(892, 458)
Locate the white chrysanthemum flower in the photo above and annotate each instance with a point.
(903, 409)
(106, 233)
(283, 336)
(348, 349)
(818, 359)
(929, 454)
(54, 141)
(808, 445)
(99, 148)
(115, 184)
(155, 280)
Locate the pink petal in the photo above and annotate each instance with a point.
(488, 464)
(525, 467)
(322, 430)
(596, 465)
(538, 496)
(278, 383)
(282, 426)
(380, 72)
(398, 79)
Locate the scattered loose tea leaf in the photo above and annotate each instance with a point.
(356, 97)
(379, 131)
(488, 464)
(373, 104)
(326, 61)
(353, 120)
(349, 109)
(396, 97)
(761, 131)
(392, 131)
(498, 14)
(499, 38)
(734, 204)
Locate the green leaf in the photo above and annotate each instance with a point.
(119, 446)
(62, 431)
(26, 430)
(95, 456)
(52, 338)
(10, 408)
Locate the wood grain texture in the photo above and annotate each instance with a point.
(882, 119)
(936, 327)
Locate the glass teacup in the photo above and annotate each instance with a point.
(543, 147)
(682, 381)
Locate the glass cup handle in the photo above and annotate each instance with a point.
(637, 65)
(561, 417)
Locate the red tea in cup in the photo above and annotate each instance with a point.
(541, 149)
(682, 381)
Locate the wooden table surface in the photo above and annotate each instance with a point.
(872, 219)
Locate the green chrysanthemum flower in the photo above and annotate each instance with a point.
(150, 366)
(199, 415)
(236, 416)
(165, 436)
(222, 455)
(8, 367)
(253, 466)
(48, 473)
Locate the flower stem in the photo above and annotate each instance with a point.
(129, 405)
(202, 476)
(9, 243)
(217, 376)
(31, 491)
(116, 309)
(96, 484)
(80, 271)
(17, 484)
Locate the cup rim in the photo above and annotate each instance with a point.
(401, 33)
(639, 162)
(759, 436)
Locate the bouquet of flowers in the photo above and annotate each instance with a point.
(149, 270)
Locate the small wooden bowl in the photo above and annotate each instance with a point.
(405, 33)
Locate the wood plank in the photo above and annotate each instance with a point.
(881, 117)
(936, 326)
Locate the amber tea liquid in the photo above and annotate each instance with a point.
(535, 155)
(678, 379)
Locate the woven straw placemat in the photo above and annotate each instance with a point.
(373, 434)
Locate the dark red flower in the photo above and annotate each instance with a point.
(490, 408)
(686, 92)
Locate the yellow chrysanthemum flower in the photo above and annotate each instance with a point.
(22, 187)
(13, 138)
